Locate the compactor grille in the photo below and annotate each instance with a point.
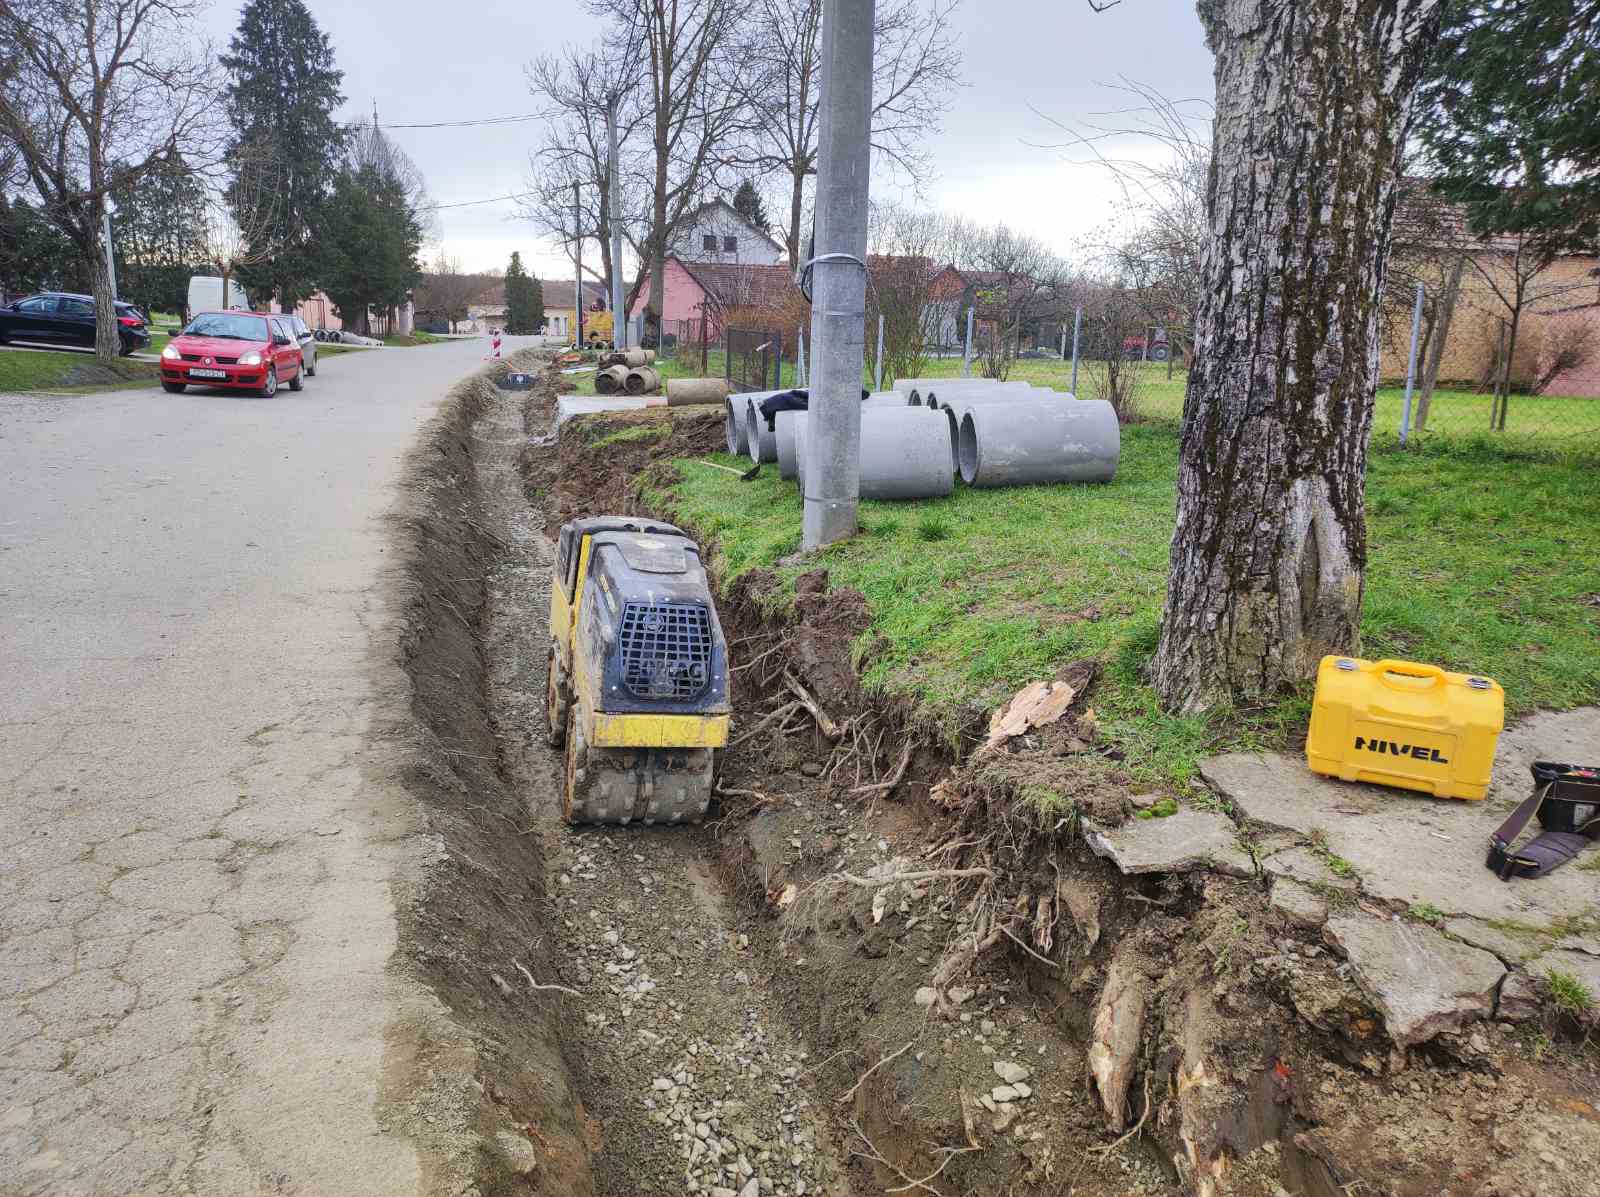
(666, 649)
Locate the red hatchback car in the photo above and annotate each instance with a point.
(237, 350)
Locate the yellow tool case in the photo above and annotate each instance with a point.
(1398, 723)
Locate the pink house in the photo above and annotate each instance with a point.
(691, 290)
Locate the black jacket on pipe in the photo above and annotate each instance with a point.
(796, 400)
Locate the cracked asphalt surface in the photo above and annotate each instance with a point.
(197, 839)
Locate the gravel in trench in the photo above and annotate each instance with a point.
(691, 1080)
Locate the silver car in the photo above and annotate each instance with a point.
(308, 343)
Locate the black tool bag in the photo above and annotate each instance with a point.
(1566, 799)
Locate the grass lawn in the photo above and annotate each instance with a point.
(413, 339)
(27, 371)
(1478, 563)
(333, 349)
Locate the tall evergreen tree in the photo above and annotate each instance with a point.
(34, 254)
(283, 89)
(158, 232)
(1510, 116)
(747, 203)
(370, 240)
(536, 304)
(522, 316)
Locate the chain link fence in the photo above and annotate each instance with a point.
(754, 359)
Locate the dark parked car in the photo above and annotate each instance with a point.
(58, 318)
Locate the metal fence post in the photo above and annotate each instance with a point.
(877, 370)
(777, 370)
(966, 352)
(1411, 366)
(800, 377)
(1077, 326)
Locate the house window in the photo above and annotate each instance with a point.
(709, 243)
(730, 245)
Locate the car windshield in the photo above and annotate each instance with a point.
(230, 326)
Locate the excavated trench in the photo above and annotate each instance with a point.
(868, 971)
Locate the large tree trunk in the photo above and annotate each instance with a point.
(797, 197)
(107, 344)
(1313, 101)
(1446, 310)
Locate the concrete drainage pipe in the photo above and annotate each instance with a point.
(734, 426)
(784, 433)
(1019, 444)
(955, 407)
(611, 381)
(941, 390)
(761, 442)
(904, 454)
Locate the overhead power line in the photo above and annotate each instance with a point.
(499, 199)
(487, 120)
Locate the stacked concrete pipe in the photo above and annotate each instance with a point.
(936, 392)
(911, 388)
(1022, 444)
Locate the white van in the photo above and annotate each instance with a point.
(205, 295)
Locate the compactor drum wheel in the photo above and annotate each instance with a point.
(622, 785)
(557, 702)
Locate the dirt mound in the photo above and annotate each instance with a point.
(601, 463)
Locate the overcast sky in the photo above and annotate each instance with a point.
(426, 61)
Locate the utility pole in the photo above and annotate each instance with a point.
(111, 259)
(619, 318)
(577, 266)
(966, 349)
(839, 275)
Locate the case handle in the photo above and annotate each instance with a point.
(1408, 669)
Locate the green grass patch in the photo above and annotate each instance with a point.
(1478, 561)
(1425, 912)
(1568, 994)
(639, 432)
(411, 340)
(22, 370)
(1162, 808)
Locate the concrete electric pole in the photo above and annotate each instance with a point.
(839, 275)
(577, 267)
(619, 318)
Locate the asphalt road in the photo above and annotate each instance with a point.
(196, 847)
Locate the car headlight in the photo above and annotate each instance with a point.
(250, 359)
(171, 354)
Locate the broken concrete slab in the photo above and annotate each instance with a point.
(568, 406)
(1300, 904)
(1421, 982)
(1180, 843)
(1410, 849)
(1512, 948)
(1308, 868)
(1520, 999)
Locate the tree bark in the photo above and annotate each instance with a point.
(1313, 103)
(1446, 310)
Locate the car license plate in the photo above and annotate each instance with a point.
(208, 374)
